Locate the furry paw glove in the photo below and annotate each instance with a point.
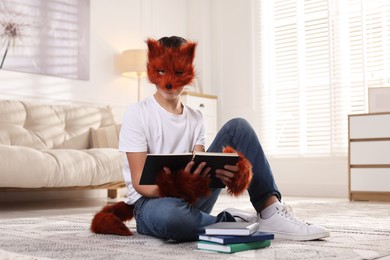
(181, 184)
(240, 182)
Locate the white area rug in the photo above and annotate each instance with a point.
(359, 230)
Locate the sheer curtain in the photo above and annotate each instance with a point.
(315, 60)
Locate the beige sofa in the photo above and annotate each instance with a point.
(58, 147)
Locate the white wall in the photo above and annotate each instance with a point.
(232, 58)
(314, 177)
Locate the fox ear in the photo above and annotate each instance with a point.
(188, 50)
(154, 48)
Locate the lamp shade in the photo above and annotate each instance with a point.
(133, 63)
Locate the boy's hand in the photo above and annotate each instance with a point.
(200, 170)
(226, 175)
(184, 184)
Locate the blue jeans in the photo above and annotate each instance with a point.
(174, 219)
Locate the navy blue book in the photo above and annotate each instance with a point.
(224, 239)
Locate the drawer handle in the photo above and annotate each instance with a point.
(201, 105)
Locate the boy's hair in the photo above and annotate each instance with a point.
(172, 42)
(170, 62)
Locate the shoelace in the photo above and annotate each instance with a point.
(286, 210)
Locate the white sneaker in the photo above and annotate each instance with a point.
(242, 215)
(285, 225)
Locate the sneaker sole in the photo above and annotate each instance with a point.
(299, 238)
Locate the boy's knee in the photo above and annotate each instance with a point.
(238, 123)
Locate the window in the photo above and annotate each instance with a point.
(315, 61)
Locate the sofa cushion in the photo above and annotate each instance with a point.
(32, 168)
(19, 136)
(105, 137)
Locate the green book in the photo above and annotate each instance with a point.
(232, 248)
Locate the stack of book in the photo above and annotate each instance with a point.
(231, 237)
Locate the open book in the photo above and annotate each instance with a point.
(155, 162)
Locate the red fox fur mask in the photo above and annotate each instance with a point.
(170, 65)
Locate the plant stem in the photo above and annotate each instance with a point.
(5, 54)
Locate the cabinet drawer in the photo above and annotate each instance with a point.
(369, 126)
(370, 179)
(207, 106)
(370, 152)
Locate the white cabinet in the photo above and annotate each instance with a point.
(369, 157)
(208, 105)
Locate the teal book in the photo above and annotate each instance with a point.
(233, 248)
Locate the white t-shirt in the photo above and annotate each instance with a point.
(148, 127)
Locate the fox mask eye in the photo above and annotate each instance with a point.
(178, 73)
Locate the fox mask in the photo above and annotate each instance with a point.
(170, 68)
